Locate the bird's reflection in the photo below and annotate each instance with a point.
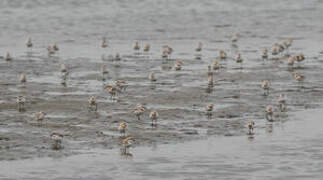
(269, 128)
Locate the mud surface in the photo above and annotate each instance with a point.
(180, 97)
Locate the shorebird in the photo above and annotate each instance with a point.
(290, 61)
(216, 65)
(209, 109)
(64, 73)
(40, 116)
(113, 90)
(23, 79)
(178, 65)
(146, 47)
(122, 128)
(164, 54)
(117, 57)
(104, 42)
(287, 43)
(239, 59)
(104, 69)
(282, 102)
(121, 84)
(55, 47)
(269, 113)
(153, 116)
(63, 68)
(265, 86)
(152, 77)
(57, 138)
(93, 106)
(276, 49)
(29, 44)
(138, 111)
(167, 51)
(299, 77)
(127, 143)
(210, 80)
(299, 57)
(199, 47)
(223, 55)
(251, 124)
(136, 46)
(50, 50)
(21, 103)
(264, 53)
(235, 37)
(7, 57)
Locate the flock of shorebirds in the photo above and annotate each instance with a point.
(120, 85)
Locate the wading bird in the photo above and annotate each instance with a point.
(93, 106)
(138, 111)
(269, 113)
(153, 116)
(57, 138)
(122, 128)
(265, 86)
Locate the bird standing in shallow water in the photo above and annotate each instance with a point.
(152, 77)
(113, 90)
(153, 116)
(265, 86)
(55, 47)
(138, 111)
(269, 113)
(146, 48)
(199, 47)
(178, 65)
(299, 57)
(57, 138)
(40, 116)
(235, 37)
(64, 74)
(29, 44)
(7, 57)
(127, 143)
(104, 42)
(216, 65)
(299, 77)
(223, 55)
(251, 124)
(21, 103)
(209, 109)
(167, 51)
(136, 46)
(23, 79)
(122, 129)
(239, 59)
(93, 106)
(290, 61)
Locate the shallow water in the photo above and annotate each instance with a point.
(278, 151)
(293, 151)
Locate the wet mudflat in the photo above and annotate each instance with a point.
(180, 143)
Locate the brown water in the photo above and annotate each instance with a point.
(185, 144)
